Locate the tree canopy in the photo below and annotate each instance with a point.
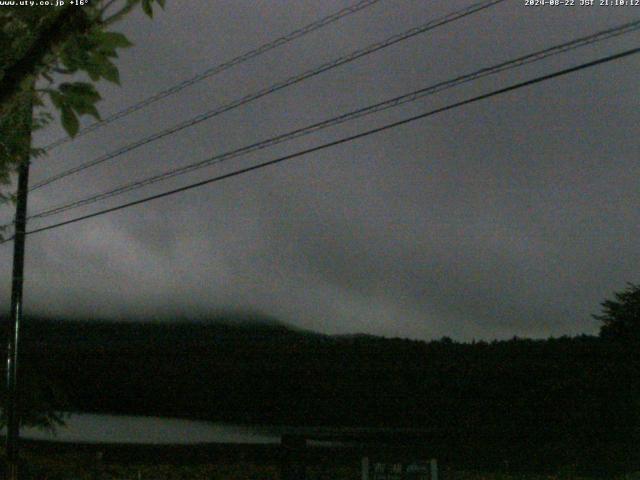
(621, 316)
(44, 53)
(50, 59)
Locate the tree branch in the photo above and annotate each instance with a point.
(70, 21)
(106, 7)
(121, 13)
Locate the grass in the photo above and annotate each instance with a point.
(84, 466)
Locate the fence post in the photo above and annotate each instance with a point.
(434, 469)
(365, 468)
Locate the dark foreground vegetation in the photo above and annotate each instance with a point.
(67, 461)
(532, 405)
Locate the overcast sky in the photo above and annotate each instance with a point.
(517, 215)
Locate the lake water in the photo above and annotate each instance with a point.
(132, 429)
(93, 428)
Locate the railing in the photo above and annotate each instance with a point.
(378, 460)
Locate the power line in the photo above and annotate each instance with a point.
(375, 108)
(276, 87)
(215, 70)
(350, 138)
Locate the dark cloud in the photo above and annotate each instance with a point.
(513, 216)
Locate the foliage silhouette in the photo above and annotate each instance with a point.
(621, 317)
(538, 404)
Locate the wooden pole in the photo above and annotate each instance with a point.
(17, 281)
(365, 468)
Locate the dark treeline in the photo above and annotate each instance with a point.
(529, 404)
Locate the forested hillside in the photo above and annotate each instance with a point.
(537, 403)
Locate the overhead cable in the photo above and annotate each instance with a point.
(452, 17)
(343, 140)
(352, 115)
(215, 70)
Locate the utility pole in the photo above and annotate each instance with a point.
(17, 281)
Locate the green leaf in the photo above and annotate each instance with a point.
(161, 3)
(57, 99)
(37, 101)
(67, 59)
(87, 109)
(37, 152)
(79, 97)
(101, 66)
(108, 53)
(93, 70)
(146, 8)
(83, 90)
(73, 57)
(69, 121)
(112, 40)
(110, 73)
